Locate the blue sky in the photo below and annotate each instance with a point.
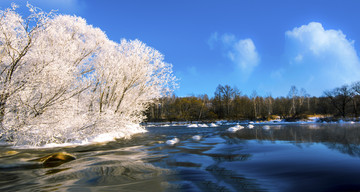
(261, 45)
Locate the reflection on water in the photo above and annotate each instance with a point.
(344, 138)
(317, 157)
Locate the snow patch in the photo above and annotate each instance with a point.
(213, 125)
(235, 128)
(126, 133)
(173, 141)
(203, 125)
(196, 137)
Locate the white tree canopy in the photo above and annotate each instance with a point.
(64, 80)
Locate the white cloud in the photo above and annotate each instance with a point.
(325, 58)
(213, 40)
(228, 39)
(242, 53)
(318, 40)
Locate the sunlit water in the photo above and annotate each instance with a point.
(315, 157)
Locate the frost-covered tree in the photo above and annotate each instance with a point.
(129, 75)
(16, 39)
(62, 79)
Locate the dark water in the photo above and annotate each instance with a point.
(280, 158)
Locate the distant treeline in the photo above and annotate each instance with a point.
(228, 103)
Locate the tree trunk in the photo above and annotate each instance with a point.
(3, 99)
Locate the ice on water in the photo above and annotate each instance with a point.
(235, 128)
(173, 141)
(196, 137)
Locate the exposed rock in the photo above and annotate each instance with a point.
(56, 159)
(11, 152)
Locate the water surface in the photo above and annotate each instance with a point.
(310, 157)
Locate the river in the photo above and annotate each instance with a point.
(291, 157)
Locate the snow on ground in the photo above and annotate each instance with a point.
(203, 125)
(126, 133)
(249, 124)
(213, 125)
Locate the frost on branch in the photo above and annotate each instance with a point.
(62, 80)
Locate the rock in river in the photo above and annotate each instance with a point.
(55, 159)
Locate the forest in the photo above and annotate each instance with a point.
(229, 103)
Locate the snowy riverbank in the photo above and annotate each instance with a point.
(195, 124)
